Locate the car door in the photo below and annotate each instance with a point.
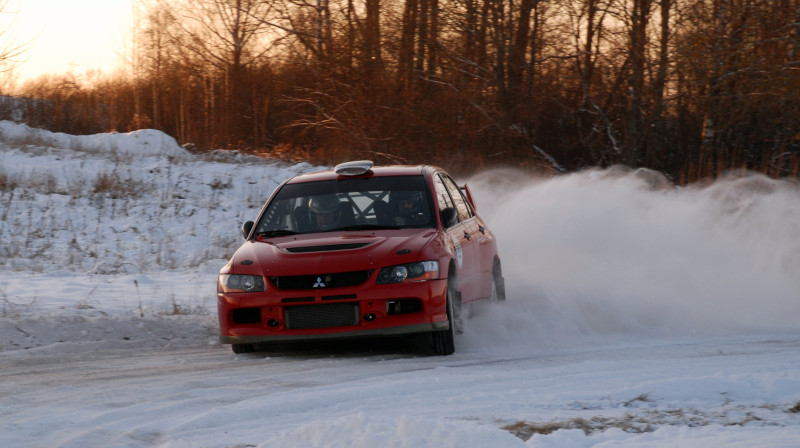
(462, 234)
(485, 246)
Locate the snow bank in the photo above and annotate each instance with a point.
(609, 253)
(123, 203)
(145, 142)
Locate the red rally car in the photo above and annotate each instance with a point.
(359, 251)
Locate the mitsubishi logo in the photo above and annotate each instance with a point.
(319, 283)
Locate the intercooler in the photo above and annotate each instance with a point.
(321, 316)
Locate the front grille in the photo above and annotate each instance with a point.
(319, 281)
(321, 316)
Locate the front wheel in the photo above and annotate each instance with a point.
(443, 341)
(243, 348)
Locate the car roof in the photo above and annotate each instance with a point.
(376, 171)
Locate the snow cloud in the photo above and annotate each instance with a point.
(616, 251)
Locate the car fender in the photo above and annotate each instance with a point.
(442, 248)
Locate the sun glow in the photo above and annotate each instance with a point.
(70, 36)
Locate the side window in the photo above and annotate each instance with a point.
(462, 206)
(442, 196)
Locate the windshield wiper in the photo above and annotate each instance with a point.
(277, 232)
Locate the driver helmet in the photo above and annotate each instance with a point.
(324, 211)
(407, 201)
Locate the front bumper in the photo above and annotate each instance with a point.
(378, 310)
(373, 332)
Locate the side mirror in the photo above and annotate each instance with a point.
(449, 217)
(246, 228)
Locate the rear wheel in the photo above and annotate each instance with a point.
(497, 293)
(243, 348)
(443, 341)
(493, 292)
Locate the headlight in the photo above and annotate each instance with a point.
(240, 283)
(410, 272)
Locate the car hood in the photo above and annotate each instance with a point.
(329, 253)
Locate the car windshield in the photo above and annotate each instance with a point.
(348, 204)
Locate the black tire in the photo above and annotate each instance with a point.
(498, 291)
(243, 348)
(443, 341)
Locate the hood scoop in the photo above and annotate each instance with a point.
(325, 248)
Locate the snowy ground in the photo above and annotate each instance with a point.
(639, 315)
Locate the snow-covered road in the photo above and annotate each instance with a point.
(658, 393)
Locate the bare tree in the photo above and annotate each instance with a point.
(469, 83)
(226, 36)
(10, 49)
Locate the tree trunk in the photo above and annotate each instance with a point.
(405, 69)
(638, 42)
(372, 39)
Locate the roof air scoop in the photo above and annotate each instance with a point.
(355, 168)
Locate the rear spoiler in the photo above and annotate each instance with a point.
(468, 194)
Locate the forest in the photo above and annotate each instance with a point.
(692, 89)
